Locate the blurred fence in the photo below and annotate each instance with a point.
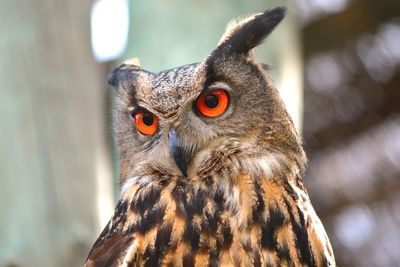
(352, 125)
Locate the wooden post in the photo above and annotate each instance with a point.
(52, 139)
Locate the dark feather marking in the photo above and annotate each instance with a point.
(284, 253)
(275, 220)
(163, 237)
(192, 235)
(121, 208)
(256, 259)
(210, 223)
(161, 176)
(258, 209)
(190, 208)
(197, 204)
(134, 261)
(227, 237)
(209, 180)
(155, 256)
(148, 220)
(268, 239)
(289, 189)
(214, 259)
(164, 181)
(147, 254)
(119, 217)
(246, 245)
(188, 260)
(219, 199)
(302, 241)
(145, 202)
(215, 253)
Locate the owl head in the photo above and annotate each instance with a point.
(206, 119)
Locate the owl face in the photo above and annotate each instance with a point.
(188, 120)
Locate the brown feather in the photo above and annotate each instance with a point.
(110, 252)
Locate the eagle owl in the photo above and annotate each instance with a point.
(210, 165)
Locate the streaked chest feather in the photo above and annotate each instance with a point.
(253, 221)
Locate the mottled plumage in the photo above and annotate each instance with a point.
(201, 191)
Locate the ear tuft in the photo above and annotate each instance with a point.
(243, 35)
(123, 73)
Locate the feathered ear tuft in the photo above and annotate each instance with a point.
(243, 35)
(124, 72)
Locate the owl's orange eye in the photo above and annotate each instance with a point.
(213, 102)
(146, 122)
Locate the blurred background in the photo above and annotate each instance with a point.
(336, 63)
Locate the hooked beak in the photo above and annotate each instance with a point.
(181, 154)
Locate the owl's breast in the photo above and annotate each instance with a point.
(253, 222)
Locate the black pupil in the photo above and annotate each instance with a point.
(148, 119)
(211, 101)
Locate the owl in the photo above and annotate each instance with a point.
(211, 165)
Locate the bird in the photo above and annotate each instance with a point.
(211, 165)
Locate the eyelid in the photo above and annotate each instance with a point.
(213, 86)
(218, 85)
(133, 110)
(137, 109)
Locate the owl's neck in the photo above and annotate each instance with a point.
(239, 189)
(219, 173)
